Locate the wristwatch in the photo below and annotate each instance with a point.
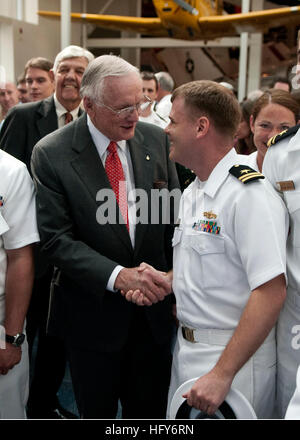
(16, 340)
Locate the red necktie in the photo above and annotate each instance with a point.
(115, 174)
(68, 118)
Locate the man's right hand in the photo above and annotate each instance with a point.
(143, 280)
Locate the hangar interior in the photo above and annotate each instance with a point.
(247, 61)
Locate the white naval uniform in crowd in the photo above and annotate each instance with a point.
(164, 106)
(282, 164)
(17, 229)
(153, 118)
(251, 160)
(227, 244)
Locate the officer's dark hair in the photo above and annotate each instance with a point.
(146, 75)
(276, 96)
(212, 100)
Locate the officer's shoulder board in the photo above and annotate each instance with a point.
(284, 134)
(245, 174)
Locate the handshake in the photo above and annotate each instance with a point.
(144, 285)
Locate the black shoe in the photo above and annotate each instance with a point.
(63, 413)
(58, 413)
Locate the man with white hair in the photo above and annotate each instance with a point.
(165, 88)
(9, 97)
(88, 176)
(24, 126)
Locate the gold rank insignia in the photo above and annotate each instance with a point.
(284, 134)
(209, 214)
(245, 174)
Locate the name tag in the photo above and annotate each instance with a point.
(286, 185)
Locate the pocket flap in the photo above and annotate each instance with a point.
(293, 201)
(177, 236)
(205, 243)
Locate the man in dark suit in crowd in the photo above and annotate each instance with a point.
(24, 126)
(89, 231)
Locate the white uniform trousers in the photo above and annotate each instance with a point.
(14, 388)
(288, 350)
(293, 411)
(255, 380)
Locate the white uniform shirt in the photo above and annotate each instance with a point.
(18, 226)
(251, 160)
(228, 243)
(153, 118)
(281, 164)
(164, 106)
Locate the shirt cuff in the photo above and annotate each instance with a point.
(111, 282)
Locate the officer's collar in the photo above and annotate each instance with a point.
(220, 173)
(294, 142)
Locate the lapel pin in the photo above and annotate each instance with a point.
(147, 157)
(1, 201)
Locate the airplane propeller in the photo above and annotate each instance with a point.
(184, 5)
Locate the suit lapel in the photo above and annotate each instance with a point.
(89, 168)
(143, 175)
(47, 119)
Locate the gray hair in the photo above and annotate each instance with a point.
(165, 81)
(71, 52)
(101, 68)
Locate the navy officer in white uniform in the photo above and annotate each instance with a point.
(229, 258)
(18, 232)
(281, 167)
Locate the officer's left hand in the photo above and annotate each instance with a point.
(208, 392)
(9, 357)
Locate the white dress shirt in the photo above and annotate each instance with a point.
(102, 142)
(61, 111)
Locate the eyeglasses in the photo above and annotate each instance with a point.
(127, 111)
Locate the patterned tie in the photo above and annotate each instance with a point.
(68, 118)
(115, 174)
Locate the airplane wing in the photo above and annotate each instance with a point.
(205, 27)
(140, 25)
(255, 21)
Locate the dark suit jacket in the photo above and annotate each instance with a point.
(68, 173)
(25, 125)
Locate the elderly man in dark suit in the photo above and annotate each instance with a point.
(23, 127)
(87, 218)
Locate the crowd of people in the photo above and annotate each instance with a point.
(89, 278)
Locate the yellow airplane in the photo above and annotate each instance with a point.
(191, 20)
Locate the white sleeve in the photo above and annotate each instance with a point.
(261, 226)
(19, 210)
